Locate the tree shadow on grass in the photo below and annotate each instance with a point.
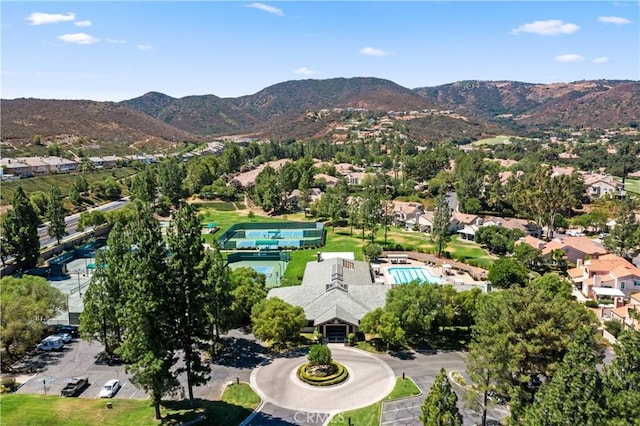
(203, 412)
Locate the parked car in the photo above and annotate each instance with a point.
(66, 337)
(71, 329)
(51, 343)
(75, 386)
(109, 389)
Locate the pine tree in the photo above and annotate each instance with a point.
(441, 221)
(624, 238)
(574, 394)
(56, 214)
(20, 232)
(104, 300)
(149, 342)
(440, 408)
(189, 292)
(219, 297)
(622, 381)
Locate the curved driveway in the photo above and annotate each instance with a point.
(370, 379)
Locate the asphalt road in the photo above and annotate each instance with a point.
(72, 223)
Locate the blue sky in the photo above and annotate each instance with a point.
(120, 50)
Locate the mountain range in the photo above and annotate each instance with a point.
(482, 108)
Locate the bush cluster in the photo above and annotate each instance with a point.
(339, 376)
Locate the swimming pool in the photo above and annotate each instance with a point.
(404, 275)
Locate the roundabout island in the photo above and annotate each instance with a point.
(368, 379)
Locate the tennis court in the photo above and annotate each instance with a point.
(273, 236)
(271, 264)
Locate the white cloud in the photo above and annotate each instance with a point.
(304, 71)
(115, 41)
(372, 51)
(37, 18)
(78, 38)
(267, 8)
(549, 27)
(144, 47)
(617, 20)
(570, 57)
(86, 23)
(601, 60)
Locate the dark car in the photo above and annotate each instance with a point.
(69, 329)
(75, 386)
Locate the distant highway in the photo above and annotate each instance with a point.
(72, 222)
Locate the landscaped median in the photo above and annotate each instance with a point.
(238, 401)
(339, 375)
(370, 415)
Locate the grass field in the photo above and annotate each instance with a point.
(238, 401)
(632, 185)
(498, 140)
(340, 240)
(370, 415)
(64, 181)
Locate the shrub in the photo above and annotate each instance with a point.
(341, 374)
(319, 355)
(591, 303)
(614, 327)
(8, 384)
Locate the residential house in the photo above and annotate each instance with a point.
(628, 314)
(574, 248)
(599, 185)
(404, 210)
(336, 292)
(16, 167)
(60, 164)
(330, 181)
(608, 276)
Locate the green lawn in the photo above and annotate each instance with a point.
(498, 140)
(370, 415)
(632, 185)
(340, 240)
(238, 401)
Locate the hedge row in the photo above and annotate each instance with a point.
(338, 377)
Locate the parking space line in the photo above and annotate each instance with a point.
(401, 409)
(397, 420)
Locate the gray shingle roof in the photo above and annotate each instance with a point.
(350, 301)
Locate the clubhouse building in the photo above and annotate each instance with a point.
(336, 292)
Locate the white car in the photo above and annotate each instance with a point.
(109, 389)
(66, 337)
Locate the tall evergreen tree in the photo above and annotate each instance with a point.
(20, 232)
(622, 381)
(143, 186)
(219, 303)
(574, 394)
(523, 331)
(624, 239)
(56, 214)
(149, 339)
(441, 220)
(440, 407)
(170, 178)
(102, 316)
(189, 295)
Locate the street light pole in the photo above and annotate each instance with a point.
(79, 290)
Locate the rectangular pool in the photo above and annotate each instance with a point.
(406, 274)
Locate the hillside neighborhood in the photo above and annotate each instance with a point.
(229, 261)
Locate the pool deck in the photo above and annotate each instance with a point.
(459, 279)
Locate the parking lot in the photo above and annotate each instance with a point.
(52, 370)
(78, 358)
